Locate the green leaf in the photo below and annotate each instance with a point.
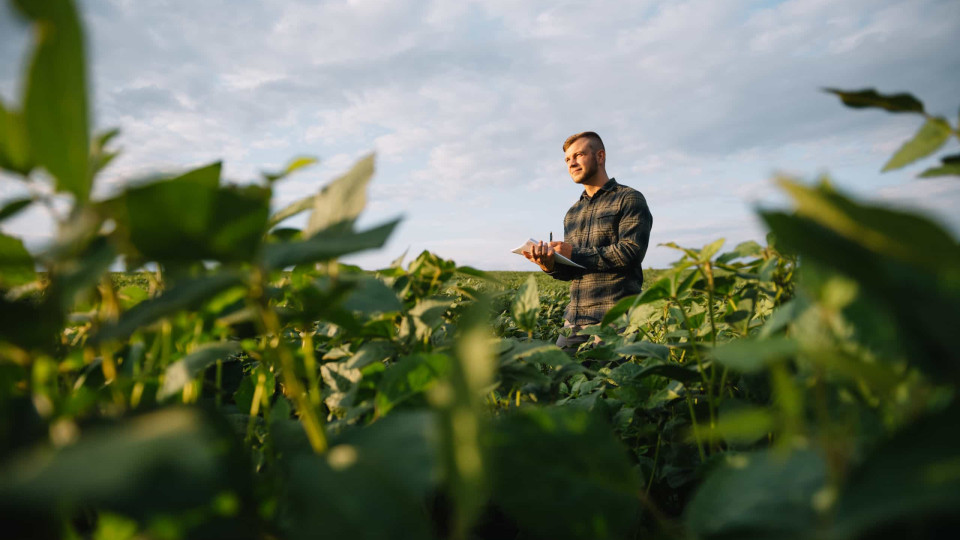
(532, 351)
(164, 462)
(913, 478)
(758, 495)
(14, 145)
(189, 218)
(187, 368)
(896, 103)
(709, 250)
(907, 236)
(408, 377)
(526, 305)
(560, 473)
(950, 167)
(371, 296)
(55, 105)
(99, 156)
(745, 425)
(325, 246)
(340, 202)
(14, 207)
(16, 263)
(743, 249)
(922, 301)
(187, 294)
(622, 306)
(292, 209)
(370, 484)
(645, 349)
(932, 135)
(294, 165)
(30, 324)
(750, 355)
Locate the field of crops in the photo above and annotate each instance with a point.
(254, 387)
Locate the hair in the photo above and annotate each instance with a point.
(595, 142)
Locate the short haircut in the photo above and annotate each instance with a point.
(595, 142)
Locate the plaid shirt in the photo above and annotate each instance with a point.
(609, 233)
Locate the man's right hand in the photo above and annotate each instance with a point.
(541, 254)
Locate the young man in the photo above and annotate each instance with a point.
(606, 231)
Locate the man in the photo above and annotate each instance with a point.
(606, 231)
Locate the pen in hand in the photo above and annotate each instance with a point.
(551, 236)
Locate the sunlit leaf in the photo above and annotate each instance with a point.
(341, 201)
(932, 135)
(55, 104)
(14, 145)
(409, 376)
(526, 305)
(294, 165)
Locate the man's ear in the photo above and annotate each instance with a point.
(601, 157)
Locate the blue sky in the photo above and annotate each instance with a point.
(466, 104)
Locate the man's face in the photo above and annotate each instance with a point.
(581, 161)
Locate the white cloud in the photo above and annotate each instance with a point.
(467, 102)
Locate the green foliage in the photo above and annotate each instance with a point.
(252, 386)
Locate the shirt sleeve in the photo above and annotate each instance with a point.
(629, 250)
(564, 272)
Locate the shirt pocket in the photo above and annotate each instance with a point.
(606, 225)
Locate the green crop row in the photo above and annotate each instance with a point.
(254, 387)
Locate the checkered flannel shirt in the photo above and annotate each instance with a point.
(609, 233)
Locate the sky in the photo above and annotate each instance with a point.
(467, 103)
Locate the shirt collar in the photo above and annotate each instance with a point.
(609, 186)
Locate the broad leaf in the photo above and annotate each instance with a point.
(16, 263)
(910, 479)
(758, 495)
(14, 145)
(576, 479)
(751, 355)
(325, 246)
(340, 202)
(408, 377)
(743, 249)
(950, 166)
(172, 460)
(859, 99)
(187, 368)
(14, 207)
(932, 135)
(645, 349)
(187, 294)
(526, 305)
(55, 104)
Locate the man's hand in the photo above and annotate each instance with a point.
(542, 255)
(562, 248)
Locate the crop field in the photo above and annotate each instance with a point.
(803, 388)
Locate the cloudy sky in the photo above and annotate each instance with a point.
(466, 104)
